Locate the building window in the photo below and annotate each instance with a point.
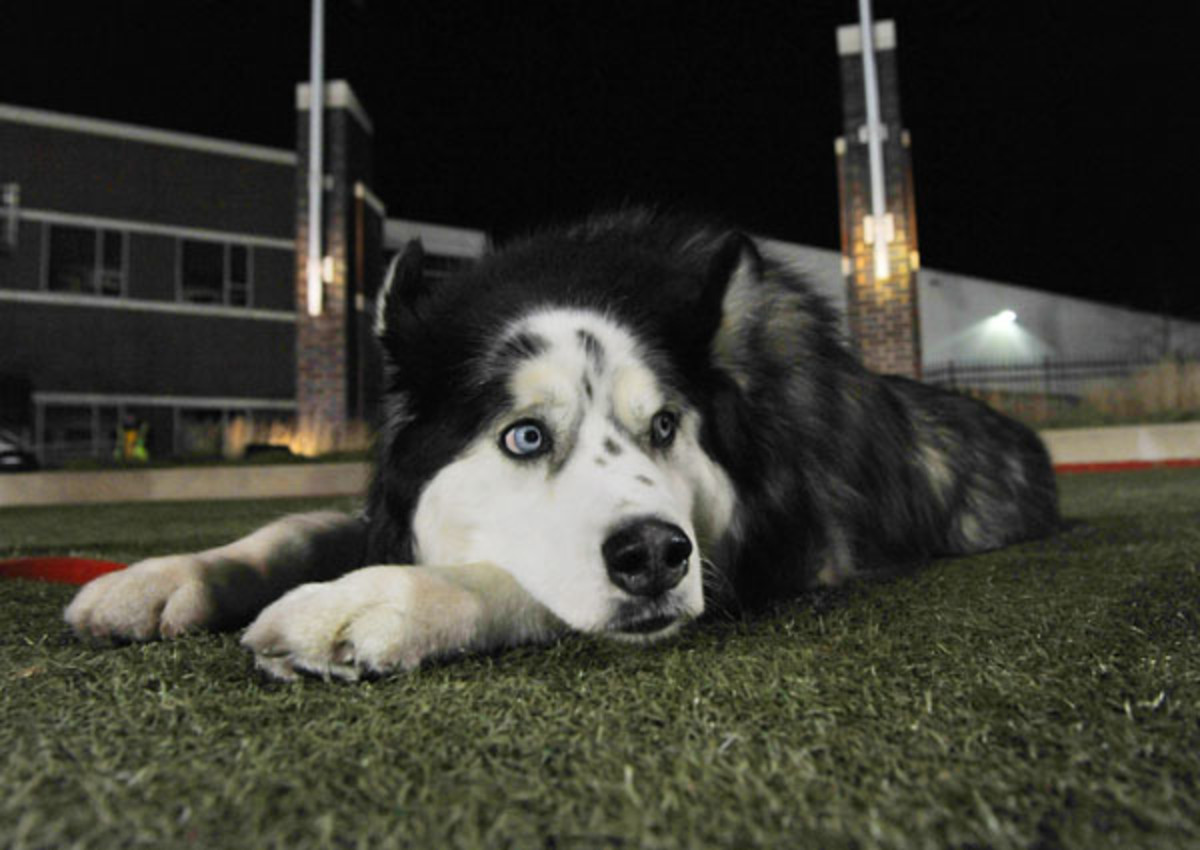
(237, 266)
(10, 203)
(214, 273)
(202, 272)
(74, 432)
(85, 261)
(111, 279)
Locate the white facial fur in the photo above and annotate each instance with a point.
(544, 519)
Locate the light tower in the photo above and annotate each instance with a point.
(333, 342)
(878, 217)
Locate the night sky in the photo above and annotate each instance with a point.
(1054, 144)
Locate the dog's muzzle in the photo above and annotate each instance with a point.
(646, 556)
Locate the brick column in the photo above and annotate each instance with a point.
(882, 312)
(328, 346)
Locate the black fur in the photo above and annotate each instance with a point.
(835, 469)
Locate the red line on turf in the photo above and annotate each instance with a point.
(1127, 465)
(62, 570)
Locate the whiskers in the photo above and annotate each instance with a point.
(719, 595)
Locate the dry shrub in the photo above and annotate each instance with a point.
(1034, 408)
(1166, 391)
(307, 437)
(1171, 386)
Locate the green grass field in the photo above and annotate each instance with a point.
(1044, 696)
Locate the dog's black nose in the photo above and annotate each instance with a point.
(647, 556)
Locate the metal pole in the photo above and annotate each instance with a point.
(316, 109)
(360, 277)
(882, 233)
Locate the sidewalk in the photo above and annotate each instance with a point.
(1071, 449)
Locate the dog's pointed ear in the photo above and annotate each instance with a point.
(732, 266)
(404, 285)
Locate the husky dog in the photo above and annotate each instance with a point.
(601, 428)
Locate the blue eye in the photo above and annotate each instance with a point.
(662, 428)
(525, 440)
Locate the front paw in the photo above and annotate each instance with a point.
(158, 597)
(370, 622)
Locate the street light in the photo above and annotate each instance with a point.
(879, 228)
(316, 108)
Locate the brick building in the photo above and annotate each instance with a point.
(154, 275)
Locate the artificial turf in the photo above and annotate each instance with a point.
(1047, 695)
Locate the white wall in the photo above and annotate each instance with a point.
(437, 239)
(960, 317)
(959, 321)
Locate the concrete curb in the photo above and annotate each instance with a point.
(1124, 447)
(1071, 449)
(195, 483)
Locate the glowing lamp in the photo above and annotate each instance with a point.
(314, 287)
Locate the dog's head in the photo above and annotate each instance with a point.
(546, 412)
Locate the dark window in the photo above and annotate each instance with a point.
(215, 273)
(68, 433)
(202, 268)
(85, 261)
(108, 438)
(112, 262)
(10, 202)
(72, 259)
(239, 275)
